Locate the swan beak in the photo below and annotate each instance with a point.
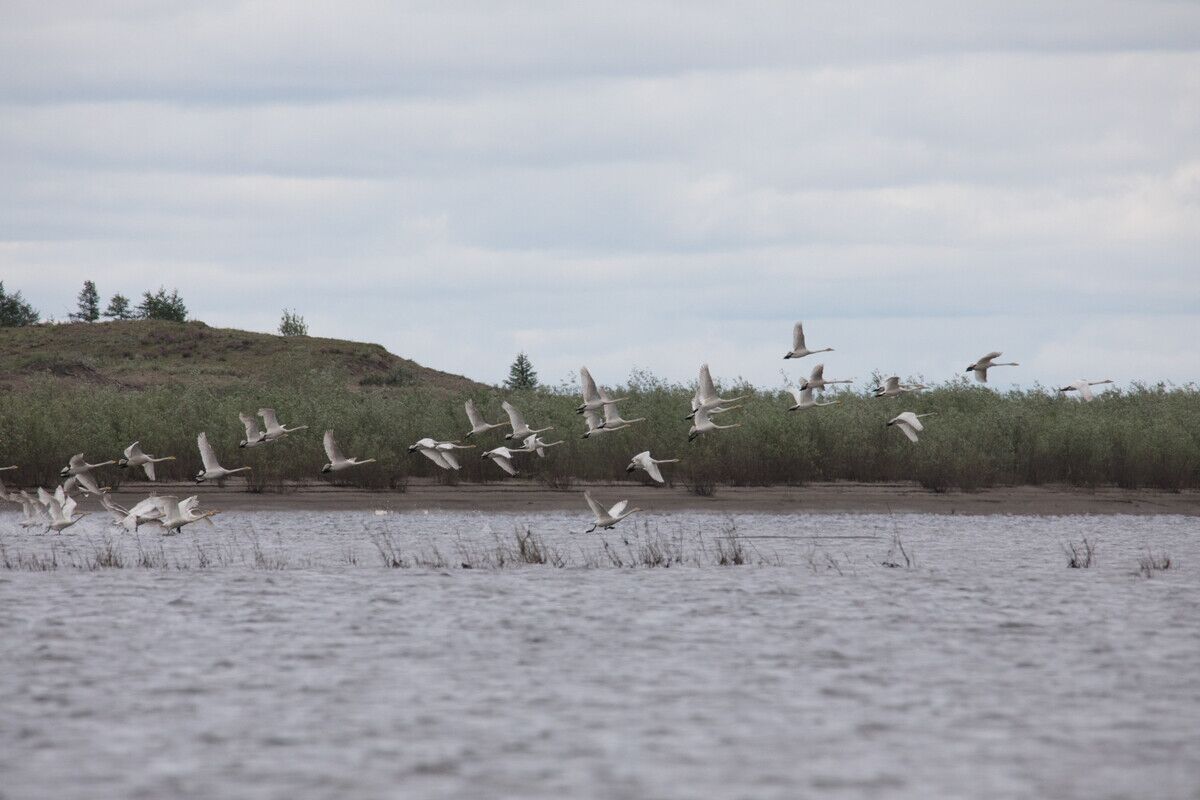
(630, 468)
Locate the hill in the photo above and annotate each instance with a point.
(139, 354)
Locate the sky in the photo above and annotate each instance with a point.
(627, 186)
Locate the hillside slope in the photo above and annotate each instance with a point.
(138, 354)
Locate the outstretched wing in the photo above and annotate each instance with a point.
(592, 504)
(504, 464)
(149, 469)
(450, 458)
(616, 510)
(473, 414)
(707, 389)
(908, 431)
(992, 356)
(980, 374)
(206, 453)
(134, 451)
(332, 451)
(590, 392)
(796, 394)
(798, 337)
(251, 424)
(652, 469)
(611, 415)
(514, 416)
(269, 418)
(435, 457)
(592, 419)
(77, 461)
(818, 374)
(892, 383)
(87, 483)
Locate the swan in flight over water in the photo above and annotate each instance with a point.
(607, 519)
(707, 399)
(147, 510)
(61, 510)
(176, 514)
(520, 430)
(86, 483)
(213, 471)
(981, 367)
(799, 348)
(644, 461)
(893, 388)
(134, 457)
(535, 444)
(478, 425)
(254, 436)
(502, 457)
(816, 380)
(804, 399)
(273, 429)
(34, 512)
(431, 449)
(78, 465)
(703, 424)
(1084, 388)
(594, 398)
(909, 423)
(337, 461)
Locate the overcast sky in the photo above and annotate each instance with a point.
(630, 185)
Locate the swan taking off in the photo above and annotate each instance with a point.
(981, 366)
(607, 519)
(254, 436)
(893, 388)
(707, 399)
(175, 514)
(337, 461)
(702, 424)
(594, 398)
(909, 423)
(478, 425)
(77, 465)
(644, 461)
(61, 510)
(213, 471)
(134, 457)
(535, 444)
(145, 511)
(804, 399)
(799, 348)
(86, 483)
(520, 430)
(34, 513)
(816, 380)
(502, 458)
(1084, 388)
(273, 429)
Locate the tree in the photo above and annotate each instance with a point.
(118, 308)
(292, 324)
(161, 305)
(14, 311)
(88, 304)
(521, 374)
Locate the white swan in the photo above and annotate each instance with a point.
(176, 514)
(816, 379)
(644, 461)
(607, 519)
(520, 430)
(337, 461)
(145, 511)
(429, 448)
(78, 465)
(118, 512)
(34, 513)
(478, 425)
(61, 511)
(981, 367)
(134, 457)
(1084, 387)
(706, 398)
(595, 424)
(702, 425)
(502, 458)
(804, 399)
(594, 398)
(86, 483)
(273, 430)
(535, 444)
(799, 348)
(254, 436)
(893, 388)
(909, 423)
(213, 471)
(446, 450)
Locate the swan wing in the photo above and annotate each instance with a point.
(616, 510)
(707, 388)
(652, 470)
(207, 455)
(450, 459)
(134, 450)
(473, 415)
(818, 374)
(590, 392)
(251, 426)
(435, 456)
(798, 337)
(514, 416)
(332, 451)
(503, 463)
(593, 505)
(611, 415)
(908, 431)
(269, 418)
(592, 419)
(77, 461)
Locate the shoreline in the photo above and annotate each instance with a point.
(817, 498)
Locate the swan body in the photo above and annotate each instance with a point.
(816, 379)
(535, 444)
(212, 471)
(702, 424)
(520, 429)
(254, 436)
(176, 514)
(909, 423)
(478, 424)
(134, 457)
(502, 458)
(429, 448)
(707, 399)
(272, 430)
(647, 463)
(78, 465)
(337, 461)
(594, 398)
(1083, 388)
(981, 367)
(893, 388)
(799, 348)
(804, 400)
(607, 519)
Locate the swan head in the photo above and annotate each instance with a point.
(200, 476)
(243, 443)
(65, 472)
(413, 448)
(328, 468)
(122, 463)
(632, 466)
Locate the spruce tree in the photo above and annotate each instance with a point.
(161, 305)
(119, 308)
(521, 374)
(88, 304)
(14, 311)
(292, 324)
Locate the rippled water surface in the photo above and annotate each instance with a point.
(274, 655)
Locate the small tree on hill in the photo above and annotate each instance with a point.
(119, 308)
(88, 304)
(292, 324)
(14, 311)
(521, 374)
(161, 305)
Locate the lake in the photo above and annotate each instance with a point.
(274, 655)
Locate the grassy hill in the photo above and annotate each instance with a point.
(141, 354)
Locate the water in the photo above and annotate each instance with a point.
(295, 665)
